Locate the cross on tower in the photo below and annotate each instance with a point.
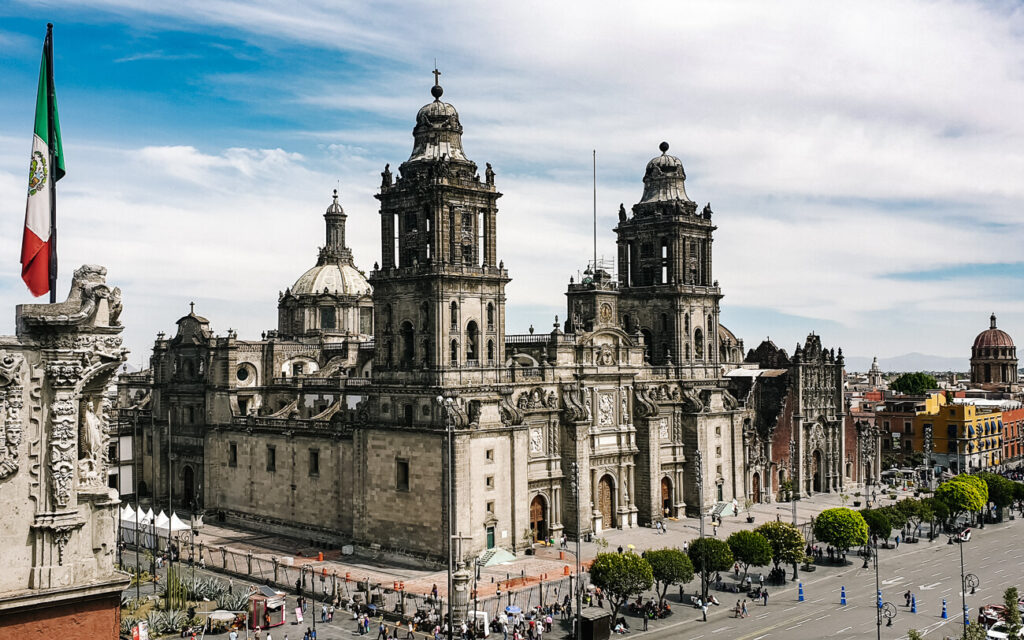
(437, 74)
(192, 307)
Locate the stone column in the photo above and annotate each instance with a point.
(632, 496)
(460, 597)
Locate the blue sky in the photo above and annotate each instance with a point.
(863, 163)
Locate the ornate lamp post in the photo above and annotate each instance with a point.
(792, 496)
(967, 581)
(446, 408)
(699, 468)
(574, 485)
(928, 453)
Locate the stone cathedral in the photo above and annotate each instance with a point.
(347, 422)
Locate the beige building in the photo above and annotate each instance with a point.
(329, 427)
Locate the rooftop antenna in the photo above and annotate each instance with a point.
(595, 213)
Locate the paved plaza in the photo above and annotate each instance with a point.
(930, 570)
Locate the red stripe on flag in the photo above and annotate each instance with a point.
(35, 263)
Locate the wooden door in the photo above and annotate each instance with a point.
(756, 487)
(537, 518)
(606, 501)
(666, 497)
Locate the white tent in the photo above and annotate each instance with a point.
(161, 521)
(177, 525)
(127, 532)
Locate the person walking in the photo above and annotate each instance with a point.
(906, 596)
(897, 541)
(737, 610)
(744, 608)
(764, 596)
(645, 616)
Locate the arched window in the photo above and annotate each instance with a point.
(408, 345)
(648, 339)
(425, 315)
(490, 316)
(687, 350)
(686, 324)
(454, 352)
(698, 344)
(454, 311)
(387, 318)
(472, 341)
(627, 323)
(490, 351)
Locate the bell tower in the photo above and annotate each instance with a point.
(439, 292)
(666, 288)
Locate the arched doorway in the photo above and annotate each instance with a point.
(188, 494)
(816, 485)
(538, 518)
(755, 487)
(666, 497)
(606, 501)
(867, 472)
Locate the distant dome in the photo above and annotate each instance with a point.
(664, 179)
(336, 278)
(993, 337)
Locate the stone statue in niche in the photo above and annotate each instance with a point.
(92, 442)
(552, 400)
(536, 441)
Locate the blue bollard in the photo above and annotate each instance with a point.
(945, 616)
(842, 595)
(967, 617)
(913, 603)
(800, 592)
(879, 598)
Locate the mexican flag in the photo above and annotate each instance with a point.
(46, 166)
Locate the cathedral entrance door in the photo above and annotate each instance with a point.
(666, 497)
(606, 502)
(817, 471)
(189, 493)
(490, 537)
(538, 519)
(755, 486)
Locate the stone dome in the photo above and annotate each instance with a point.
(337, 278)
(664, 178)
(438, 132)
(993, 337)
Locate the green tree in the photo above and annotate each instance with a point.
(1018, 494)
(669, 567)
(750, 549)
(785, 540)
(621, 576)
(913, 384)
(897, 518)
(960, 497)
(1010, 600)
(939, 509)
(977, 483)
(841, 527)
(1000, 490)
(878, 523)
(914, 634)
(709, 555)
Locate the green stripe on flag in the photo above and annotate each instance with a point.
(45, 93)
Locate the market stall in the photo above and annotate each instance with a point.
(266, 608)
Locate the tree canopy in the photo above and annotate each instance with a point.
(621, 576)
(977, 483)
(960, 496)
(750, 549)
(709, 555)
(1000, 489)
(669, 567)
(1010, 599)
(914, 384)
(785, 540)
(841, 527)
(878, 523)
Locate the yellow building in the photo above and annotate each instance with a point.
(964, 437)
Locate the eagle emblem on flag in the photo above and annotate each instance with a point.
(36, 173)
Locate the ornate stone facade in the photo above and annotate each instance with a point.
(354, 446)
(59, 531)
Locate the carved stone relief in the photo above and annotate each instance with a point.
(605, 410)
(536, 440)
(10, 407)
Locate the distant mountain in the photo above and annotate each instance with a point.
(910, 362)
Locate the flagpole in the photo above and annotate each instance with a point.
(51, 99)
(595, 214)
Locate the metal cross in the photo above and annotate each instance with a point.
(436, 75)
(192, 307)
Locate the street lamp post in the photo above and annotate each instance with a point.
(928, 453)
(792, 495)
(968, 581)
(575, 486)
(446, 404)
(699, 468)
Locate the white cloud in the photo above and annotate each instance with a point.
(839, 144)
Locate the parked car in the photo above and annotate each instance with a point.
(998, 631)
(991, 614)
(963, 536)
